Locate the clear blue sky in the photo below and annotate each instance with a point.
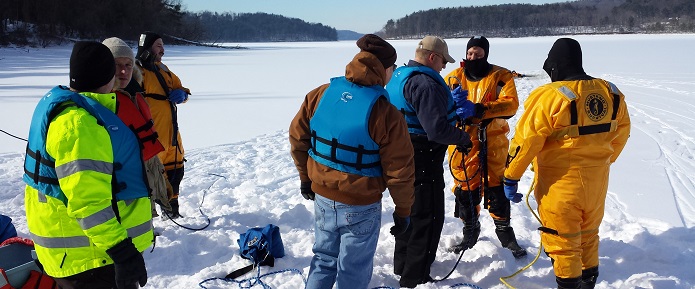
(364, 16)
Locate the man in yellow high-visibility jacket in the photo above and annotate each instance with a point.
(86, 198)
(573, 129)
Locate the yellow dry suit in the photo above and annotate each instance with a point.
(572, 131)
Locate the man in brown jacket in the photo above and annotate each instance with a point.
(350, 144)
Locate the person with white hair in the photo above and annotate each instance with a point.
(135, 111)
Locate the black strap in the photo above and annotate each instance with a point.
(616, 105)
(37, 156)
(574, 118)
(156, 96)
(269, 260)
(37, 165)
(597, 128)
(174, 163)
(161, 80)
(548, 230)
(58, 109)
(482, 155)
(240, 272)
(592, 129)
(39, 179)
(413, 125)
(333, 143)
(174, 114)
(405, 112)
(144, 127)
(151, 138)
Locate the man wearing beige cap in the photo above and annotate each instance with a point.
(420, 93)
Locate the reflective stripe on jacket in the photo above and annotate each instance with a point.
(346, 145)
(89, 152)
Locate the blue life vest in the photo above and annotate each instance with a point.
(397, 97)
(39, 166)
(340, 128)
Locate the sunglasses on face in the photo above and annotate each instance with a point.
(444, 62)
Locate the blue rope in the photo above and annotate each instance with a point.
(457, 285)
(253, 281)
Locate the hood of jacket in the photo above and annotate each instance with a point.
(564, 61)
(366, 69)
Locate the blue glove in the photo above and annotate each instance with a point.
(178, 96)
(466, 109)
(510, 190)
(459, 96)
(400, 224)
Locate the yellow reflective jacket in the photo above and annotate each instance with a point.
(545, 130)
(161, 109)
(497, 93)
(73, 237)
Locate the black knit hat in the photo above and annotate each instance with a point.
(379, 47)
(481, 42)
(91, 66)
(564, 60)
(145, 43)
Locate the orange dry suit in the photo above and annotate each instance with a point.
(164, 112)
(497, 93)
(572, 131)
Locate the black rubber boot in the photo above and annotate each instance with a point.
(471, 232)
(467, 209)
(589, 277)
(568, 283)
(505, 233)
(174, 213)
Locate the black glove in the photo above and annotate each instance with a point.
(400, 224)
(129, 265)
(307, 193)
(465, 146)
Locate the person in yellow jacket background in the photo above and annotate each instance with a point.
(86, 199)
(486, 96)
(573, 129)
(163, 92)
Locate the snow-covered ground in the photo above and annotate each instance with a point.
(240, 174)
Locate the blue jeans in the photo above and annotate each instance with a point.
(345, 243)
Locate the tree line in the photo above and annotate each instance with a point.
(517, 20)
(260, 27)
(46, 22)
